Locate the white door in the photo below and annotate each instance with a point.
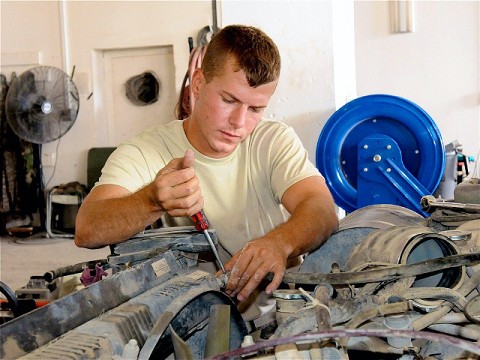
(125, 118)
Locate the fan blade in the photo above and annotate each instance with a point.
(42, 104)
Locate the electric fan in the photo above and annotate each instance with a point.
(42, 104)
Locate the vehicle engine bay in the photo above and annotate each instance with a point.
(389, 284)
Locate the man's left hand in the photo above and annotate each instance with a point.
(250, 265)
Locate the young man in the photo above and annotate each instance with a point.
(265, 199)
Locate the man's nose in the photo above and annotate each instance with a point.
(239, 116)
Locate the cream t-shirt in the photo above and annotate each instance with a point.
(242, 192)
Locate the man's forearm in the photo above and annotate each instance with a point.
(309, 226)
(109, 221)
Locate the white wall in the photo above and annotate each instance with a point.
(313, 57)
(70, 33)
(436, 66)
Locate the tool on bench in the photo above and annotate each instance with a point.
(201, 224)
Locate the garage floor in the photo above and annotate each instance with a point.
(21, 258)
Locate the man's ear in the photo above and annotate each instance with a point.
(198, 80)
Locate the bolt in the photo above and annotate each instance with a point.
(389, 147)
(374, 120)
(365, 146)
(389, 170)
(417, 152)
(365, 169)
(377, 158)
(343, 162)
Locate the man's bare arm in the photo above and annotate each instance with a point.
(111, 214)
(313, 220)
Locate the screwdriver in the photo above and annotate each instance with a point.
(201, 224)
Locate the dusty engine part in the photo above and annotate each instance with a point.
(352, 230)
(137, 303)
(468, 191)
(408, 245)
(395, 285)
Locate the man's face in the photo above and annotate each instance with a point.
(226, 111)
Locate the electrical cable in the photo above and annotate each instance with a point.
(54, 165)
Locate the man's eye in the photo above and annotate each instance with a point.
(255, 110)
(228, 101)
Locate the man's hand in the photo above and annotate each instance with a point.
(177, 188)
(249, 266)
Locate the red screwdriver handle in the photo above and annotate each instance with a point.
(200, 220)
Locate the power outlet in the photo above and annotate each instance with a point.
(48, 159)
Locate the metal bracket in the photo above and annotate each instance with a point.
(382, 176)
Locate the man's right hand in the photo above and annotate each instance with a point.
(177, 188)
(111, 214)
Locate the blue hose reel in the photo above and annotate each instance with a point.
(380, 149)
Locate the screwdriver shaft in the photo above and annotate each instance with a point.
(214, 249)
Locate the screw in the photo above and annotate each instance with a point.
(365, 146)
(377, 158)
(389, 147)
(365, 169)
(417, 151)
(388, 169)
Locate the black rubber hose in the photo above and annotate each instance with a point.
(51, 275)
(11, 298)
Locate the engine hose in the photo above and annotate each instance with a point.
(457, 330)
(385, 309)
(471, 310)
(436, 293)
(466, 288)
(385, 274)
(11, 298)
(51, 275)
(450, 318)
(470, 272)
(341, 333)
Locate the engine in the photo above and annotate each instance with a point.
(389, 284)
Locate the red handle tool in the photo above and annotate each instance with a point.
(202, 224)
(200, 220)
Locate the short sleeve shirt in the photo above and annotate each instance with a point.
(242, 192)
